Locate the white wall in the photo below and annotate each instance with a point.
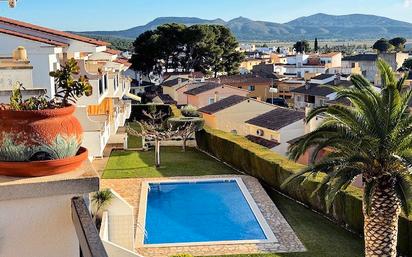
(43, 58)
(9, 78)
(288, 133)
(38, 227)
(234, 117)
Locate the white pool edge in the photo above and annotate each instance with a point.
(270, 236)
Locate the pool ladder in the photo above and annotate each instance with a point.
(155, 187)
(141, 228)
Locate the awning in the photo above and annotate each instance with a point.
(134, 97)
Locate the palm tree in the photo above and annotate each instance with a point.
(371, 138)
(100, 199)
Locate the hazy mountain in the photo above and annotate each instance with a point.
(323, 26)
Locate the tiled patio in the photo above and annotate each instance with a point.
(130, 190)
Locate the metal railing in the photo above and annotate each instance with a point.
(89, 239)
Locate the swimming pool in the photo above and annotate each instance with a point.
(201, 212)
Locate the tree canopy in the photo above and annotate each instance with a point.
(408, 63)
(205, 48)
(302, 46)
(383, 45)
(398, 43)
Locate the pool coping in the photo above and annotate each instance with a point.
(141, 219)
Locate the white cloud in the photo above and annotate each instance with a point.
(407, 3)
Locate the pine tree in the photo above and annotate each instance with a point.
(316, 45)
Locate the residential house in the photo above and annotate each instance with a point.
(316, 93)
(285, 86)
(368, 62)
(247, 65)
(104, 111)
(210, 92)
(279, 125)
(230, 113)
(258, 87)
(175, 88)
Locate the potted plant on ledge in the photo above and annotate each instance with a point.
(41, 136)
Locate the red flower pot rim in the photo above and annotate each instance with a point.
(43, 168)
(46, 113)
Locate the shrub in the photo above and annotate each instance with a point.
(190, 111)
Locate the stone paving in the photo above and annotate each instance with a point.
(130, 190)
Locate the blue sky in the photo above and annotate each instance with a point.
(121, 14)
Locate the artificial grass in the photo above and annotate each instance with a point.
(174, 162)
(134, 141)
(321, 237)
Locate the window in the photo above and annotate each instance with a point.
(251, 88)
(322, 102)
(299, 98)
(211, 100)
(105, 82)
(310, 99)
(100, 86)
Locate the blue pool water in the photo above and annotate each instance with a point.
(199, 212)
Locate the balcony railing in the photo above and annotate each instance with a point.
(89, 240)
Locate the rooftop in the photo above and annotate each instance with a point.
(263, 142)
(277, 119)
(204, 87)
(320, 90)
(323, 76)
(32, 38)
(174, 82)
(241, 79)
(30, 26)
(222, 104)
(361, 57)
(166, 99)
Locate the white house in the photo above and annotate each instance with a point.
(104, 111)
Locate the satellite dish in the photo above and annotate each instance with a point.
(12, 3)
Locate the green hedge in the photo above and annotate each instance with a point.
(273, 169)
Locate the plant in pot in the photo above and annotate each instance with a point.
(41, 136)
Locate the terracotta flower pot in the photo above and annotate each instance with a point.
(39, 135)
(43, 168)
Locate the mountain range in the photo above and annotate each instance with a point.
(322, 26)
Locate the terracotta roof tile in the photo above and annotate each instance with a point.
(33, 38)
(52, 31)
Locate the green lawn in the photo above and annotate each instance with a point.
(133, 141)
(321, 237)
(174, 162)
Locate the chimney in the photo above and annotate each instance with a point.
(20, 54)
(179, 80)
(307, 86)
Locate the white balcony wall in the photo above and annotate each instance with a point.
(99, 84)
(113, 85)
(118, 224)
(96, 131)
(46, 231)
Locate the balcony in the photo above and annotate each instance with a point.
(96, 132)
(113, 85)
(99, 83)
